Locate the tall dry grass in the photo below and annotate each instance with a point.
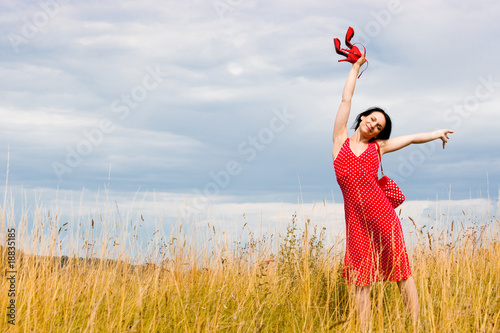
(274, 283)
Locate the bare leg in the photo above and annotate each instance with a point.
(363, 307)
(409, 292)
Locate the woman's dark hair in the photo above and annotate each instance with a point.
(386, 131)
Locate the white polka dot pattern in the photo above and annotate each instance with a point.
(391, 191)
(375, 247)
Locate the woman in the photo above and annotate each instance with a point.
(375, 246)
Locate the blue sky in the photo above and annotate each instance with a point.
(234, 100)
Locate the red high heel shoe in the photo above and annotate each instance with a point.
(353, 53)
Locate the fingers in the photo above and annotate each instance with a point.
(445, 137)
(361, 60)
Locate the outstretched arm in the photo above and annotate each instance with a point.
(390, 145)
(340, 125)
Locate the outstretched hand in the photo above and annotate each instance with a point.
(443, 135)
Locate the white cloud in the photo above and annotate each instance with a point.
(235, 68)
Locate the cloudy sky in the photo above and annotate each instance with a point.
(235, 99)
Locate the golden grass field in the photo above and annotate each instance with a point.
(276, 283)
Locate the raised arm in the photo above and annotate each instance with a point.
(390, 145)
(340, 125)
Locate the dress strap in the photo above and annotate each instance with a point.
(379, 157)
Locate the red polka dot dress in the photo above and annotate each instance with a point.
(375, 247)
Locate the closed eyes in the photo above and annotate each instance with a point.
(379, 127)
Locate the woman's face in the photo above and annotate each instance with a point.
(372, 124)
